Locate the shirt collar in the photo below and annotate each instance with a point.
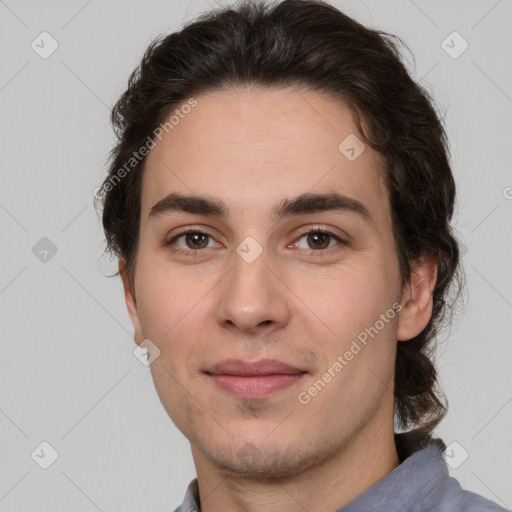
(191, 501)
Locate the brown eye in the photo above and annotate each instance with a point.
(319, 240)
(196, 240)
(191, 240)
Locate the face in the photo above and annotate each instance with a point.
(299, 285)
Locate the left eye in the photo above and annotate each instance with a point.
(319, 239)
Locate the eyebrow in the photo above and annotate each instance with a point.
(305, 203)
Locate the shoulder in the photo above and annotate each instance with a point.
(431, 488)
(456, 499)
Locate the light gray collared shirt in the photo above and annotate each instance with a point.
(421, 483)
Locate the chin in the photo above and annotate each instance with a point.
(264, 462)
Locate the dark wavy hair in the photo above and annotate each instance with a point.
(310, 44)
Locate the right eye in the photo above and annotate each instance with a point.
(193, 239)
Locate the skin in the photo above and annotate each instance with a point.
(251, 150)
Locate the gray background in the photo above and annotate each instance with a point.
(68, 374)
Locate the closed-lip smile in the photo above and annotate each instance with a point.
(254, 379)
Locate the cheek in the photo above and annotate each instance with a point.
(348, 298)
(358, 350)
(165, 296)
(175, 309)
(169, 307)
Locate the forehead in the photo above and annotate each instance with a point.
(251, 148)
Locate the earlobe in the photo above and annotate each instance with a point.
(131, 303)
(417, 299)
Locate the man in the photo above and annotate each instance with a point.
(280, 201)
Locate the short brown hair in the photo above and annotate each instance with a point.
(310, 43)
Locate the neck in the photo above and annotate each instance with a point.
(356, 467)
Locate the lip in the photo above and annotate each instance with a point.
(254, 379)
(251, 368)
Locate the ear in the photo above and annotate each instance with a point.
(417, 301)
(131, 303)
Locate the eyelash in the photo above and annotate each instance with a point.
(317, 252)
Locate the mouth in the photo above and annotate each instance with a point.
(254, 380)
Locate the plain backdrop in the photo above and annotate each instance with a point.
(68, 373)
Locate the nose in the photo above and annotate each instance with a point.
(253, 297)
